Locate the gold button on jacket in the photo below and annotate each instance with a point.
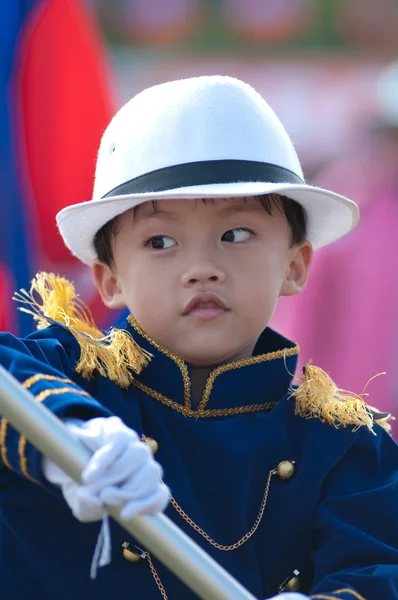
(285, 469)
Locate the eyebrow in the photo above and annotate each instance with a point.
(239, 208)
(231, 209)
(156, 213)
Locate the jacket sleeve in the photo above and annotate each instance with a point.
(356, 532)
(44, 364)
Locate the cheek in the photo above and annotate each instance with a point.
(260, 284)
(148, 290)
(263, 269)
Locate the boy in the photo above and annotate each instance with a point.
(200, 220)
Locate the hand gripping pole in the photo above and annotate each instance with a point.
(157, 533)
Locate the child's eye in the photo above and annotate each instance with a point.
(237, 235)
(160, 242)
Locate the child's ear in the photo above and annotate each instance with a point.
(297, 273)
(107, 284)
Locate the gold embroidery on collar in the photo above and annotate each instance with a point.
(178, 361)
(28, 383)
(186, 410)
(238, 364)
(197, 414)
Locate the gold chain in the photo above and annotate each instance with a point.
(240, 542)
(199, 530)
(156, 576)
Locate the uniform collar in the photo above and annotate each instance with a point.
(249, 385)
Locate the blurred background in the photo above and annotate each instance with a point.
(328, 69)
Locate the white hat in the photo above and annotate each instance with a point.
(204, 137)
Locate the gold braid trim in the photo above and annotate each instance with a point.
(176, 359)
(238, 364)
(115, 355)
(3, 445)
(197, 414)
(28, 383)
(318, 397)
(56, 391)
(201, 411)
(342, 591)
(349, 591)
(23, 459)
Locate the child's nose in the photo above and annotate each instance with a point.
(202, 274)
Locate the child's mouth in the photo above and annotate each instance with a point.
(205, 306)
(206, 311)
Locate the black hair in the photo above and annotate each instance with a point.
(293, 211)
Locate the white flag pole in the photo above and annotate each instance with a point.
(157, 533)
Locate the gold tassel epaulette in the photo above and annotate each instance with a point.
(318, 397)
(116, 355)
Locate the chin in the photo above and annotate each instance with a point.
(211, 347)
(204, 358)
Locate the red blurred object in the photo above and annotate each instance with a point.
(65, 104)
(7, 288)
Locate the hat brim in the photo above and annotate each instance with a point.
(330, 216)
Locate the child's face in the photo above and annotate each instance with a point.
(230, 250)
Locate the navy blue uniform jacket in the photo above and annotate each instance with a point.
(335, 520)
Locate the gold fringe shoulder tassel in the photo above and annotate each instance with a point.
(318, 397)
(116, 355)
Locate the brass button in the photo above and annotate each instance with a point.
(151, 443)
(293, 584)
(290, 584)
(285, 469)
(129, 554)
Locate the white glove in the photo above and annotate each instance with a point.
(289, 596)
(121, 472)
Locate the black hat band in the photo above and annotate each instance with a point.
(205, 173)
